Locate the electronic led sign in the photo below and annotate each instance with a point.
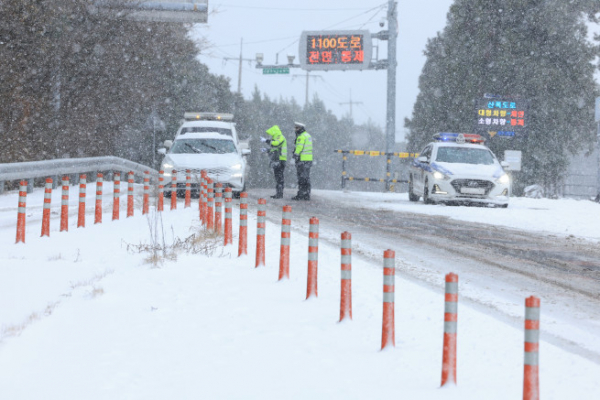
(335, 50)
(501, 116)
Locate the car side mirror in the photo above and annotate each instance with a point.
(504, 164)
(162, 151)
(422, 159)
(168, 144)
(245, 152)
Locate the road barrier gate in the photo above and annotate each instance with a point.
(389, 157)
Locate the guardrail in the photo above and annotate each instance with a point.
(65, 166)
(387, 180)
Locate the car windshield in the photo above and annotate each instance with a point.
(202, 129)
(464, 155)
(214, 146)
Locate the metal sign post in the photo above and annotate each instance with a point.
(597, 119)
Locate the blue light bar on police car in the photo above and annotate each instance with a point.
(458, 137)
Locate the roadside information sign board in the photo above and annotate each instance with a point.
(335, 50)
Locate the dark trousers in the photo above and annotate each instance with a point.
(278, 170)
(303, 173)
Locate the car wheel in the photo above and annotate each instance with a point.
(236, 195)
(504, 206)
(411, 195)
(426, 198)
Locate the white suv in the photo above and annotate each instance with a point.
(458, 168)
(207, 141)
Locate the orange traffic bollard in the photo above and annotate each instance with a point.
(202, 197)
(160, 204)
(531, 383)
(210, 208)
(388, 335)
(146, 204)
(98, 208)
(261, 223)
(346, 280)
(21, 212)
(64, 205)
(450, 329)
(116, 196)
(228, 217)
(313, 258)
(284, 253)
(188, 189)
(82, 191)
(46, 212)
(130, 194)
(219, 208)
(174, 191)
(243, 238)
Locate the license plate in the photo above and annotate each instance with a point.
(468, 190)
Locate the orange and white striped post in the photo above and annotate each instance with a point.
(174, 191)
(219, 208)
(202, 197)
(210, 209)
(284, 253)
(21, 212)
(82, 191)
(243, 238)
(388, 334)
(313, 258)
(64, 205)
(98, 207)
(346, 281)
(450, 329)
(228, 217)
(146, 204)
(531, 383)
(130, 194)
(116, 196)
(261, 223)
(188, 189)
(46, 211)
(160, 204)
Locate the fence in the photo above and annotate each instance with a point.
(66, 166)
(388, 180)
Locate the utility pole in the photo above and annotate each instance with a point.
(391, 87)
(351, 103)
(308, 76)
(241, 58)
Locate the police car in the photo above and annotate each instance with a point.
(458, 168)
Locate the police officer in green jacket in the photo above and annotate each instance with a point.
(303, 157)
(277, 157)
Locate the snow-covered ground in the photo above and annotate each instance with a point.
(85, 315)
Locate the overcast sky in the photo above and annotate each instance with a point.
(274, 27)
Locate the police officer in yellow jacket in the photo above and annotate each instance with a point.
(277, 157)
(303, 157)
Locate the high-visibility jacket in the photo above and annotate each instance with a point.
(278, 143)
(304, 148)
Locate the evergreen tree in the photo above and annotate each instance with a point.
(534, 50)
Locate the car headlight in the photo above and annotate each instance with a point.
(237, 167)
(167, 166)
(439, 176)
(504, 179)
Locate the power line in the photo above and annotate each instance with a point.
(381, 6)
